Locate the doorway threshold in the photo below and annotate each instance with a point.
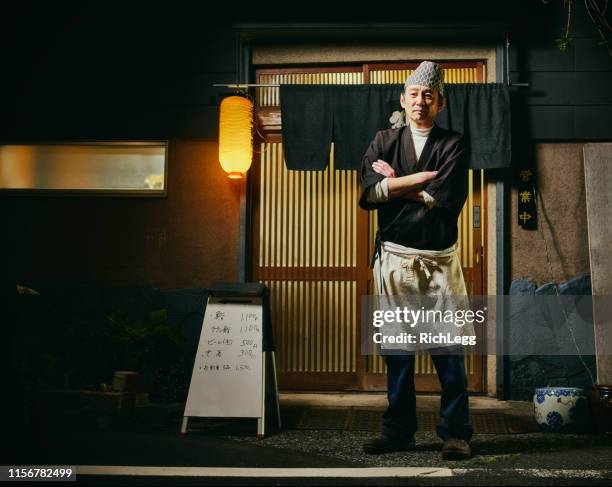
(378, 400)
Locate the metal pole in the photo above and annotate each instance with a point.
(245, 85)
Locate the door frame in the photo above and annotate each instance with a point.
(494, 35)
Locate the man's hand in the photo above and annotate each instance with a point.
(382, 167)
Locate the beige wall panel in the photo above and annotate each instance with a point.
(598, 158)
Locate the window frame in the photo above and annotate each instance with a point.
(84, 192)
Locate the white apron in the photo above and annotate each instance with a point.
(403, 272)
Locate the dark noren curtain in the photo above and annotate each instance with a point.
(350, 115)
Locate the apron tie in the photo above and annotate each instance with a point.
(423, 264)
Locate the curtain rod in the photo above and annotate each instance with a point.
(246, 85)
(256, 85)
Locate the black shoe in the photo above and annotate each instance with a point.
(456, 449)
(387, 445)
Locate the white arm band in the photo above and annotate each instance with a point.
(379, 192)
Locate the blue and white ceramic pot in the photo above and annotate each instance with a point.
(559, 409)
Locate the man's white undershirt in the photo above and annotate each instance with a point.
(380, 191)
(419, 137)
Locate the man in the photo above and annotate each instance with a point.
(416, 176)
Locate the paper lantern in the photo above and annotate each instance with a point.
(236, 136)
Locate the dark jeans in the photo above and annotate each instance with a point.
(400, 421)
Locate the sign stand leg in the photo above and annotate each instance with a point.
(184, 425)
(278, 413)
(261, 422)
(260, 428)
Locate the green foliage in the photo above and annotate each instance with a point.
(597, 12)
(564, 43)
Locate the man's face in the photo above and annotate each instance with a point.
(422, 104)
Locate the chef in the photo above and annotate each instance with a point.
(416, 176)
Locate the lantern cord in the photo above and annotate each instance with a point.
(256, 129)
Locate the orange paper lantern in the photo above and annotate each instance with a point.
(236, 136)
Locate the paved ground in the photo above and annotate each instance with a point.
(305, 457)
(379, 400)
(534, 459)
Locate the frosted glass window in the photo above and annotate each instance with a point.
(123, 167)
